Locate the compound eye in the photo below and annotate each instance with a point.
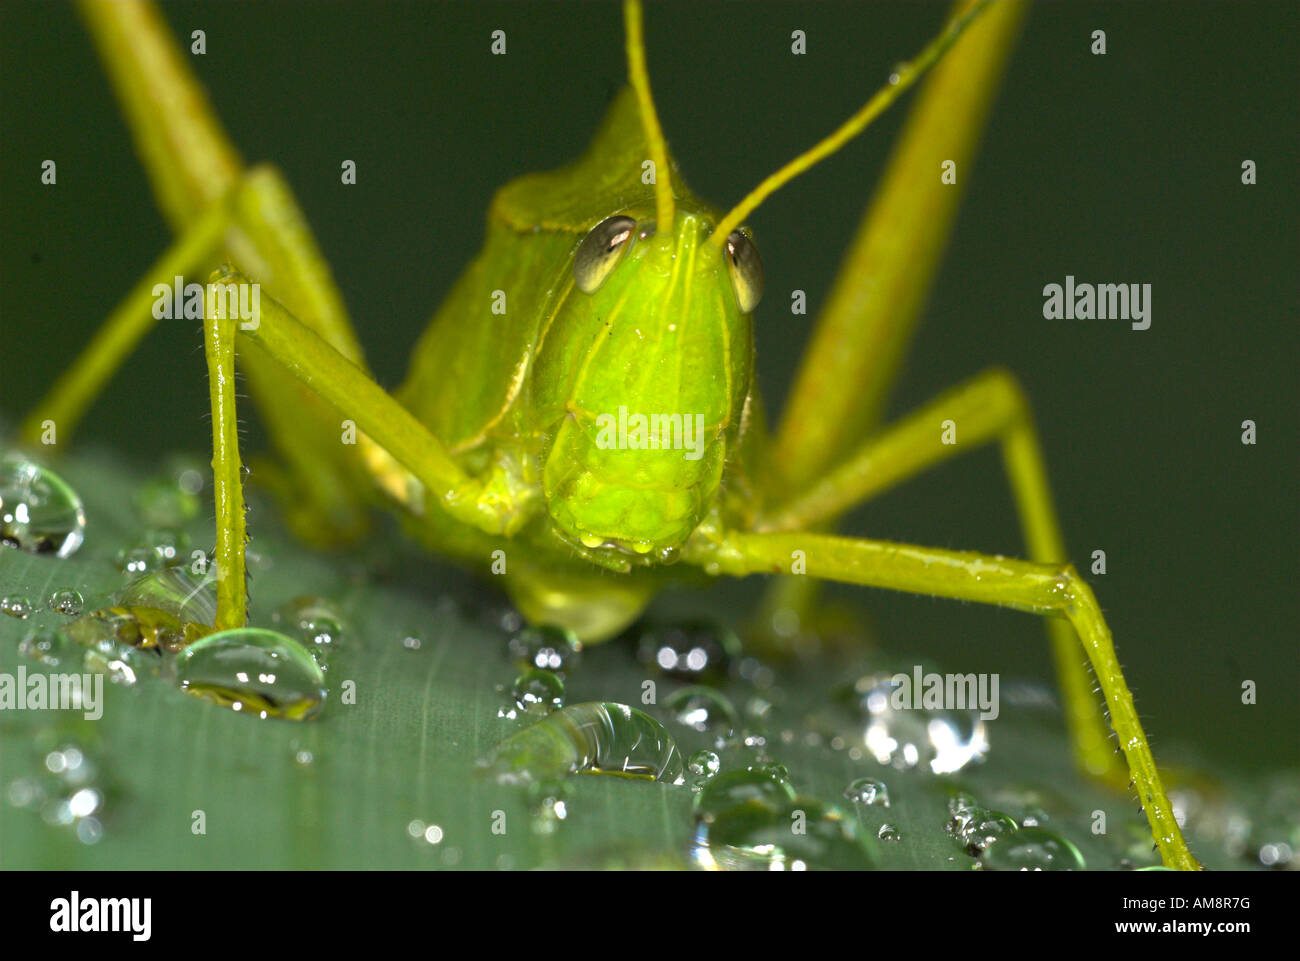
(746, 270)
(600, 251)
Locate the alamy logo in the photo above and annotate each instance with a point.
(242, 302)
(76, 914)
(652, 432)
(1131, 302)
(947, 692)
(53, 692)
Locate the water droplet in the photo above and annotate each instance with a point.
(66, 787)
(704, 764)
(1032, 849)
(742, 787)
(703, 709)
(773, 769)
(39, 512)
(888, 832)
(48, 646)
(1276, 855)
(1034, 817)
(944, 741)
(1271, 836)
(255, 671)
(168, 546)
(538, 692)
(799, 835)
(138, 560)
(315, 622)
(411, 643)
(869, 791)
(66, 601)
(692, 650)
(959, 801)
(143, 627)
(601, 738)
(164, 502)
(190, 598)
(120, 662)
(546, 648)
(976, 828)
(16, 605)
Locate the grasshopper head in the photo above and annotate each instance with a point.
(645, 369)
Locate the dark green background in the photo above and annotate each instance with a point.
(1123, 168)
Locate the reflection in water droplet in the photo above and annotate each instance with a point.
(39, 512)
(138, 560)
(692, 650)
(703, 709)
(66, 788)
(188, 597)
(773, 769)
(704, 764)
(944, 741)
(66, 601)
(316, 623)
(538, 692)
(1032, 849)
(546, 648)
(601, 738)
(799, 835)
(48, 646)
(142, 627)
(120, 662)
(868, 791)
(167, 502)
(740, 787)
(254, 671)
(16, 605)
(976, 828)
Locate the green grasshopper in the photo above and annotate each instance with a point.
(581, 414)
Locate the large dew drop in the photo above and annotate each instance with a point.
(39, 512)
(703, 708)
(1032, 849)
(799, 835)
(903, 738)
(599, 738)
(255, 671)
(190, 598)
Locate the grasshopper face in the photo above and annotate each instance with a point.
(650, 368)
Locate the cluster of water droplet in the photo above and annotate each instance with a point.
(66, 788)
(166, 608)
(545, 656)
(1001, 844)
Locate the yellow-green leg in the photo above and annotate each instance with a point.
(1049, 589)
(873, 307)
(191, 164)
(227, 471)
(990, 407)
(294, 348)
(74, 391)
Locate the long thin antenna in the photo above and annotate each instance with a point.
(899, 81)
(654, 135)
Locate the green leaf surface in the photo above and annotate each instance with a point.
(343, 790)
